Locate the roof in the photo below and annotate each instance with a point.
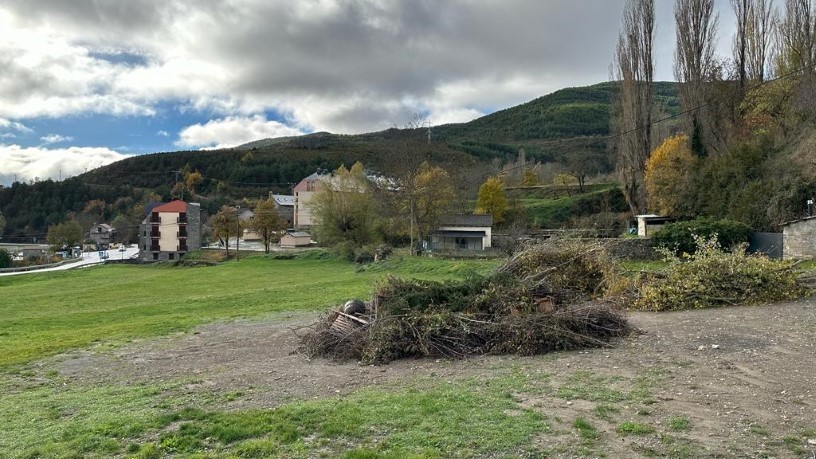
(104, 226)
(245, 214)
(284, 199)
(480, 221)
(301, 186)
(799, 221)
(172, 206)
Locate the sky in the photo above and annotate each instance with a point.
(88, 82)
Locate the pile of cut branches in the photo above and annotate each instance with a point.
(548, 297)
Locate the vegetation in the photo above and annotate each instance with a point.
(225, 225)
(535, 303)
(683, 237)
(712, 277)
(267, 223)
(492, 200)
(113, 304)
(668, 171)
(343, 209)
(65, 235)
(5, 259)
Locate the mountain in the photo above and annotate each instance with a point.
(545, 127)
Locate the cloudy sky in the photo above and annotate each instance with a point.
(86, 82)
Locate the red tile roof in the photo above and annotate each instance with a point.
(172, 206)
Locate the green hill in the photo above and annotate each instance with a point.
(544, 127)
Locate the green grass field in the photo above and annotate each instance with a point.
(47, 414)
(45, 314)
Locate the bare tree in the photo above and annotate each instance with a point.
(694, 61)
(758, 35)
(742, 10)
(796, 38)
(633, 66)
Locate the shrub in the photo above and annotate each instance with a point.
(5, 258)
(679, 237)
(712, 277)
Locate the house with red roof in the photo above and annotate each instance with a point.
(170, 230)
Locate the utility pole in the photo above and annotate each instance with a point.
(237, 237)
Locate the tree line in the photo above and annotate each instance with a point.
(739, 149)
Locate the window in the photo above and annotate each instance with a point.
(155, 256)
(172, 256)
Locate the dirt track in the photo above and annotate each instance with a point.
(743, 377)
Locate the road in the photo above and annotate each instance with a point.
(88, 259)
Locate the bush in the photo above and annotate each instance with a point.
(5, 259)
(680, 237)
(712, 277)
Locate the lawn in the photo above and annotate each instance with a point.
(46, 314)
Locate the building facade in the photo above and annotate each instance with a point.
(304, 192)
(101, 235)
(170, 231)
(799, 239)
(463, 232)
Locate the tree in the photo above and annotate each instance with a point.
(2, 223)
(668, 176)
(64, 235)
(124, 228)
(429, 195)
(583, 163)
(191, 180)
(267, 223)
(634, 68)
(492, 200)
(796, 38)
(696, 26)
(343, 209)
(759, 31)
(225, 224)
(529, 177)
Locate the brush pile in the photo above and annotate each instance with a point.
(548, 297)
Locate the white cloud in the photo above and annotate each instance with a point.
(55, 138)
(233, 131)
(14, 126)
(337, 65)
(26, 164)
(163, 133)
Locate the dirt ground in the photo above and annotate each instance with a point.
(743, 378)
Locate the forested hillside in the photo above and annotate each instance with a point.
(544, 127)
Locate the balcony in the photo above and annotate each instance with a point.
(155, 248)
(182, 218)
(154, 232)
(182, 232)
(182, 247)
(154, 218)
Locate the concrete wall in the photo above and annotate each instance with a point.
(168, 231)
(799, 239)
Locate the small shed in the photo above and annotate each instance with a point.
(649, 224)
(463, 232)
(296, 239)
(799, 239)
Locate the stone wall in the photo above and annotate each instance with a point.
(799, 239)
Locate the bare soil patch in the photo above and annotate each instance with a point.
(742, 378)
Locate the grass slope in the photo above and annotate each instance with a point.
(45, 314)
